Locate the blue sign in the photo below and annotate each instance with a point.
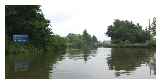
(20, 38)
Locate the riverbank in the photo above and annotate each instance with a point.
(129, 46)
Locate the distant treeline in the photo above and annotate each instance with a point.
(84, 41)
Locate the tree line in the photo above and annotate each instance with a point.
(84, 41)
(30, 20)
(126, 32)
(24, 19)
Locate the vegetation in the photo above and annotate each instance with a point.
(126, 33)
(84, 41)
(37, 57)
(30, 20)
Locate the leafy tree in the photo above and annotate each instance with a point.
(94, 42)
(152, 27)
(29, 19)
(84, 41)
(126, 31)
(151, 30)
(57, 43)
(74, 40)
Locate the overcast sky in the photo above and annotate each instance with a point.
(72, 16)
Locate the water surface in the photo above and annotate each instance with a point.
(101, 63)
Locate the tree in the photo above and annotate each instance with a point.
(84, 41)
(74, 40)
(153, 27)
(151, 31)
(29, 19)
(94, 42)
(126, 31)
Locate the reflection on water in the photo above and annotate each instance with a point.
(126, 61)
(21, 66)
(80, 54)
(83, 64)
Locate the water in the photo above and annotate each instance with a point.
(102, 63)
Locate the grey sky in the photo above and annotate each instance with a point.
(72, 16)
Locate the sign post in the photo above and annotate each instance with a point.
(20, 38)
